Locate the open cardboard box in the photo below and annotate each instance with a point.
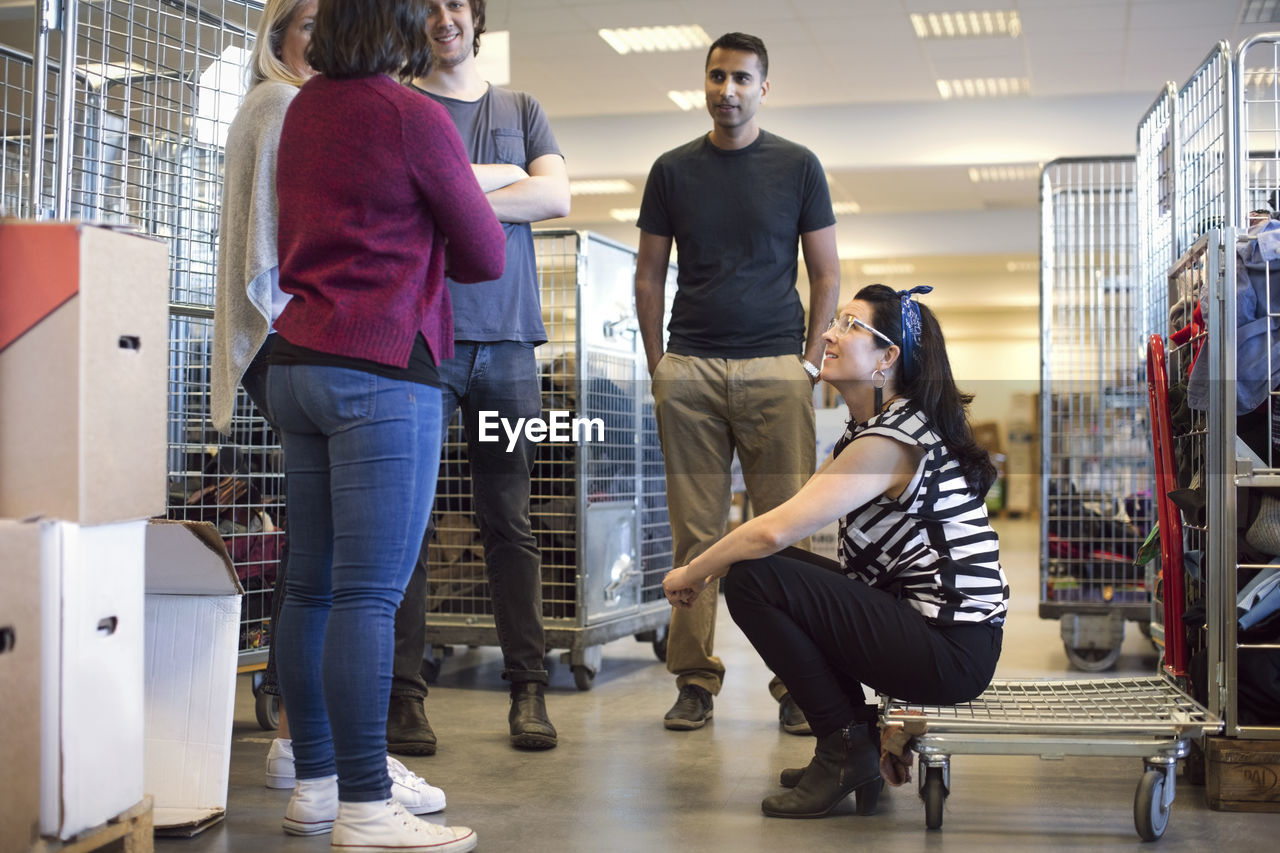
(193, 625)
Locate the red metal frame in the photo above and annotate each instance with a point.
(1170, 520)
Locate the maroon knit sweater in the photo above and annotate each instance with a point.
(372, 181)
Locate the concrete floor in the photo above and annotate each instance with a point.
(620, 782)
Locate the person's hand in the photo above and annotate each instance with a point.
(682, 588)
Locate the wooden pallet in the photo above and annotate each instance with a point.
(1242, 775)
(130, 832)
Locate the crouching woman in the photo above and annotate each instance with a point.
(915, 606)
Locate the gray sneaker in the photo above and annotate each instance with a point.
(691, 710)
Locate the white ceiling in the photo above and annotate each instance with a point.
(852, 81)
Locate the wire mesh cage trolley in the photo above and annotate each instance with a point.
(1096, 469)
(598, 503)
(1147, 718)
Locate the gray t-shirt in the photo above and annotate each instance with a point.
(502, 127)
(736, 217)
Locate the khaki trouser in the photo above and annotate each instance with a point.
(705, 409)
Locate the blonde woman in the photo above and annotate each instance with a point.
(249, 299)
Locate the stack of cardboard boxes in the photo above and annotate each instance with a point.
(83, 466)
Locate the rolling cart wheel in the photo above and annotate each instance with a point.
(933, 792)
(1150, 815)
(660, 643)
(1092, 660)
(430, 669)
(267, 707)
(583, 677)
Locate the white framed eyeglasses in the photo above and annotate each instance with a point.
(843, 324)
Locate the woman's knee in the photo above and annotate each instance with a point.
(744, 581)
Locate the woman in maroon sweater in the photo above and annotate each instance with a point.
(375, 185)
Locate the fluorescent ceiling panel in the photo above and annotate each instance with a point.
(656, 39)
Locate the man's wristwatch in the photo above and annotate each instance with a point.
(810, 368)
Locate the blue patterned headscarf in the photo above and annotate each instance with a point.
(910, 326)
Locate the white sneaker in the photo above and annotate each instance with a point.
(412, 791)
(380, 826)
(313, 806)
(280, 763)
(407, 787)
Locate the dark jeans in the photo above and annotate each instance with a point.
(255, 385)
(826, 634)
(362, 452)
(497, 377)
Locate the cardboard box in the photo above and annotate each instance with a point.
(83, 371)
(91, 673)
(19, 684)
(1242, 775)
(193, 624)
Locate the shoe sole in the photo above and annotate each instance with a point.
(864, 808)
(459, 845)
(797, 729)
(527, 740)
(679, 724)
(429, 808)
(280, 782)
(412, 748)
(297, 827)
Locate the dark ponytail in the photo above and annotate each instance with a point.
(930, 384)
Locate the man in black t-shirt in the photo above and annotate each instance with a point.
(739, 368)
(497, 324)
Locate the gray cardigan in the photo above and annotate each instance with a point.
(247, 262)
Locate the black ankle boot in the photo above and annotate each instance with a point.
(845, 761)
(408, 732)
(867, 797)
(530, 727)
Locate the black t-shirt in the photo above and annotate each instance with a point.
(736, 218)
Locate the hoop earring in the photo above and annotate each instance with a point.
(878, 374)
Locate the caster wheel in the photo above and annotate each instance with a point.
(267, 709)
(934, 794)
(1093, 660)
(583, 677)
(660, 643)
(1150, 815)
(430, 669)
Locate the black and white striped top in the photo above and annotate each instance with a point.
(932, 546)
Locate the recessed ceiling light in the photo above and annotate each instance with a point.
(1004, 174)
(656, 39)
(888, 269)
(972, 24)
(687, 99)
(612, 186)
(1022, 266)
(625, 214)
(846, 208)
(1260, 12)
(984, 87)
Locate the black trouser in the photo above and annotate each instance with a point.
(499, 377)
(826, 634)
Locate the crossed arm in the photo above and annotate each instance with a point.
(520, 196)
